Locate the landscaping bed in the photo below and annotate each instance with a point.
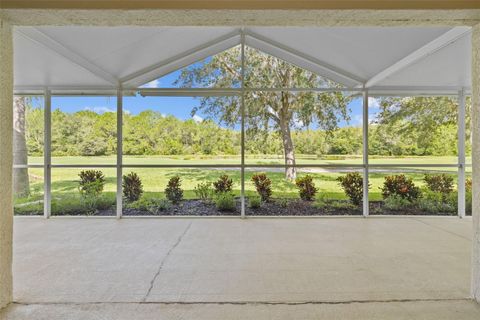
(400, 197)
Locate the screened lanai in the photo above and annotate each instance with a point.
(363, 64)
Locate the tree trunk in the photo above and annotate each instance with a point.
(289, 150)
(21, 185)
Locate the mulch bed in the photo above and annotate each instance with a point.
(275, 207)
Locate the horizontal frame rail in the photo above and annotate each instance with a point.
(256, 165)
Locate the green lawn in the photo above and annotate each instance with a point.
(65, 180)
(251, 159)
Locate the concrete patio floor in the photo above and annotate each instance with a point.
(345, 268)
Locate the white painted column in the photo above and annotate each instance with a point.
(365, 154)
(47, 155)
(119, 152)
(461, 154)
(6, 162)
(475, 287)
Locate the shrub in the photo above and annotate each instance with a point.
(436, 202)
(173, 192)
(204, 191)
(254, 202)
(91, 182)
(306, 188)
(396, 202)
(401, 186)
(283, 203)
(342, 205)
(91, 185)
(150, 204)
(441, 183)
(158, 205)
(132, 187)
(225, 201)
(223, 184)
(73, 205)
(352, 184)
(263, 186)
(320, 204)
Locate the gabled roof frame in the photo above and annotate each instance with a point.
(37, 36)
(133, 81)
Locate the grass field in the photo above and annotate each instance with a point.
(252, 160)
(65, 180)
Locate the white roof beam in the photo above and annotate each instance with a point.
(33, 34)
(433, 46)
(302, 60)
(416, 91)
(181, 60)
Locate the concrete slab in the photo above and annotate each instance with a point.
(218, 260)
(232, 266)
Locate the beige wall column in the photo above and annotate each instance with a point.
(476, 161)
(6, 123)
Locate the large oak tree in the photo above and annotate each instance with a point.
(281, 111)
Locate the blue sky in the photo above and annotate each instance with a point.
(179, 107)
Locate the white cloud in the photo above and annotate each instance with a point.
(197, 118)
(357, 120)
(152, 84)
(100, 109)
(373, 103)
(373, 117)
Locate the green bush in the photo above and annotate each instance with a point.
(263, 185)
(132, 187)
(254, 202)
(91, 182)
(399, 185)
(306, 188)
(396, 202)
(158, 205)
(91, 185)
(173, 191)
(223, 184)
(204, 191)
(342, 205)
(283, 202)
(436, 202)
(441, 183)
(150, 204)
(225, 201)
(74, 205)
(352, 184)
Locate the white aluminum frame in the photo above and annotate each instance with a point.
(366, 203)
(47, 155)
(461, 154)
(119, 198)
(366, 92)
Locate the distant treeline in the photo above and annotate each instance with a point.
(86, 133)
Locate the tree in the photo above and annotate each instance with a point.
(266, 110)
(21, 185)
(427, 123)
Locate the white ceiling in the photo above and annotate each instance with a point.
(393, 57)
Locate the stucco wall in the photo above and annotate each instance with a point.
(244, 17)
(476, 161)
(6, 210)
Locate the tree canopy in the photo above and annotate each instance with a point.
(280, 111)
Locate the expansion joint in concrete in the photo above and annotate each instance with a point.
(243, 303)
